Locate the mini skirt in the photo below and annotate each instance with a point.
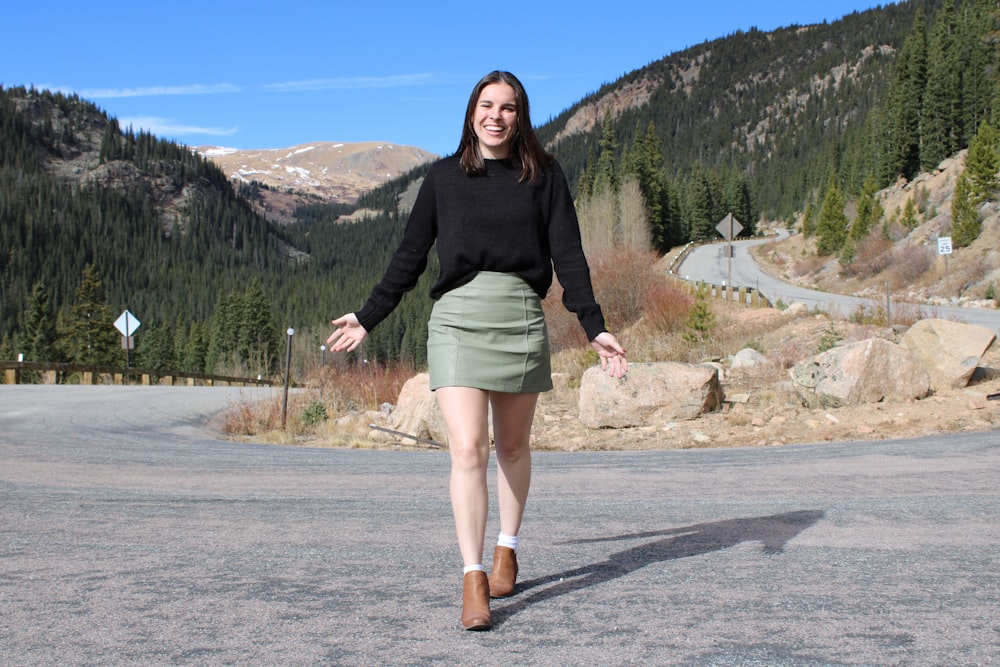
(489, 334)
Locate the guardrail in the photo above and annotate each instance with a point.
(747, 296)
(45, 372)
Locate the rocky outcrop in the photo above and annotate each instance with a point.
(950, 351)
(416, 413)
(653, 393)
(868, 371)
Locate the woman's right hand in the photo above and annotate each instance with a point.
(347, 335)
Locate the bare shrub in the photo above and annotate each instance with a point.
(667, 306)
(909, 262)
(788, 355)
(565, 332)
(869, 315)
(908, 314)
(363, 386)
(622, 278)
(338, 389)
(872, 258)
(248, 418)
(808, 265)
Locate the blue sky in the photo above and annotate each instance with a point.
(274, 75)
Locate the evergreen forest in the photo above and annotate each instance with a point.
(785, 125)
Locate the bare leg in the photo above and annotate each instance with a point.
(465, 412)
(512, 418)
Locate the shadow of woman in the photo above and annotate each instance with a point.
(773, 532)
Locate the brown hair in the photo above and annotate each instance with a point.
(526, 150)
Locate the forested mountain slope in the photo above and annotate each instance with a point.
(764, 125)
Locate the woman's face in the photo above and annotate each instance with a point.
(495, 120)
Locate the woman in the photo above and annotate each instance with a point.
(501, 215)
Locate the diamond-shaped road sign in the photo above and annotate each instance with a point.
(127, 323)
(729, 227)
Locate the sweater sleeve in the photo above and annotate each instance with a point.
(568, 258)
(409, 260)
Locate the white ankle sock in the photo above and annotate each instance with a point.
(509, 541)
(473, 568)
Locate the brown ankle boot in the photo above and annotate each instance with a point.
(504, 572)
(476, 601)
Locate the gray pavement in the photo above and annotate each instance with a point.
(130, 535)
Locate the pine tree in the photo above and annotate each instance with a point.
(977, 41)
(965, 223)
(40, 327)
(983, 163)
(906, 93)
(157, 348)
(90, 336)
(940, 119)
(809, 218)
(259, 337)
(701, 206)
(831, 226)
(870, 211)
(909, 218)
(606, 178)
(700, 321)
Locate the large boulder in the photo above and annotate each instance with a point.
(417, 412)
(868, 371)
(650, 394)
(950, 351)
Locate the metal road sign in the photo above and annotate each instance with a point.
(127, 323)
(729, 227)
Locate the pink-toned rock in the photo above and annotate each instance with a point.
(417, 412)
(868, 371)
(950, 351)
(651, 394)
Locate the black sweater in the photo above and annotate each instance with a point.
(491, 222)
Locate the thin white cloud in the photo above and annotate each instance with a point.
(348, 83)
(155, 91)
(163, 127)
(308, 85)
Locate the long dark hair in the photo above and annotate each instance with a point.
(526, 150)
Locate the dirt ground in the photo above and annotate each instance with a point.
(762, 408)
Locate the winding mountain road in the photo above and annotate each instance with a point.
(708, 263)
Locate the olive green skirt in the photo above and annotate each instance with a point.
(490, 334)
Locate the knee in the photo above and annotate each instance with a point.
(470, 456)
(513, 451)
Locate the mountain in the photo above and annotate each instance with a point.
(320, 171)
(772, 123)
(784, 107)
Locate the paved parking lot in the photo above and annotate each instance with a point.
(131, 535)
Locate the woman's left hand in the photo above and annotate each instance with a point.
(612, 354)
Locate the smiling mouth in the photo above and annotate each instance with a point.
(493, 128)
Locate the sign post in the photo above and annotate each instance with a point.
(127, 323)
(288, 368)
(944, 248)
(730, 228)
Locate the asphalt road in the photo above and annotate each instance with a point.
(130, 535)
(709, 263)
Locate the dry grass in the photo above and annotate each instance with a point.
(337, 390)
